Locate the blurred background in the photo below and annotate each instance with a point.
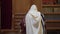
(12, 15)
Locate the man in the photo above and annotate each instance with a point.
(33, 21)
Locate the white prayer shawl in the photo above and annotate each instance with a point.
(33, 21)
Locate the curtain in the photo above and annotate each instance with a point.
(6, 14)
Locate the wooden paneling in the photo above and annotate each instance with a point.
(39, 4)
(21, 6)
(19, 21)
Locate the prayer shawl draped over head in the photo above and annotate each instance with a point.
(33, 21)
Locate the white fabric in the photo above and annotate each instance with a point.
(33, 21)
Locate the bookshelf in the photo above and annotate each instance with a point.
(51, 5)
(54, 21)
(51, 10)
(53, 28)
(52, 13)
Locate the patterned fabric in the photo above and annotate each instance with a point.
(43, 23)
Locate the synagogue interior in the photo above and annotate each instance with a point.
(13, 12)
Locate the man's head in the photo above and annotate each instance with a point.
(33, 8)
